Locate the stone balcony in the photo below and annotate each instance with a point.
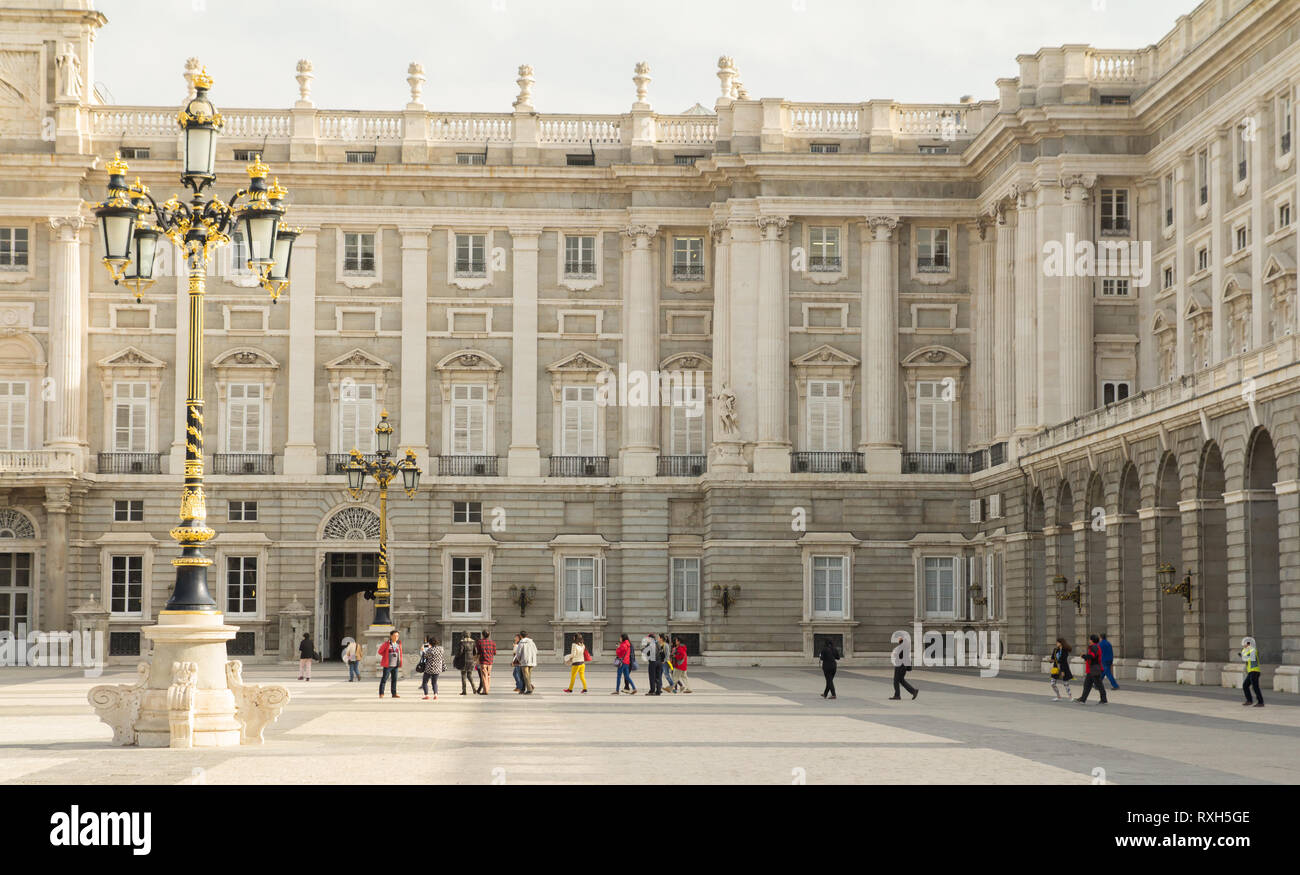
(37, 462)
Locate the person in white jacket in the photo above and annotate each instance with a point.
(527, 659)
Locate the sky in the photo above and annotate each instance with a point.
(583, 53)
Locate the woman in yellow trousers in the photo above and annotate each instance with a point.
(577, 659)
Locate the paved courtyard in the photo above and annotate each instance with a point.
(741, 725)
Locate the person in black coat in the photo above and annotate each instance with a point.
(306, 653)
(829, 656)
(1061, 668)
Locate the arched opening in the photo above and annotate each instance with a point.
(1065, 611)
(1037, 573)
(1169, 550)
(1212, 531)
(1096, 589)
(1264, 593)
(1128, 643)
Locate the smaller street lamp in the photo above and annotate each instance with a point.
(1165, 574)
(1075, 595)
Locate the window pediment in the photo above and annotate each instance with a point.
(131, 358)
(825, 356)
(358, 360)
(579, 363)
(935, 356)
(245, 357)
(471, 360)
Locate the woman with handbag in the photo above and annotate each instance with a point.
(1061, 668)
(577, 659)
(623, 660)
(352, 656)
(432, 663)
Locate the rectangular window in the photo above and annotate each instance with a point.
(685, 160)
(828, 573)
(933, 150)
(824, 148)
(1241, 150)
(239, 254)
(467, 511)
(130, 510)
(1240, 237)
(359, 157)
(584, 587)
(578, 413)
(15, 592)
(940, 586)
(467, 585)
(1283, 216)
(580, 159)
(1114, 210)
(1114, 100)
(472, 158)
(579, 256)
(471, 255)
(359, 253)
(134, 153)
(242, 512)
(688, 258)
(13, 248)
(1115, 390)
(825, 416)
(1203, 258)
(1284, 125)
(933, 417)
(686, 588)
(1169, 200)
(13, 415)
(686, 417)
(1167, 277)
(126, 595)
(824, 244)
(247, 154)
(357, 417)
(244, 418)
(1203, 177)
(932, 250)
(241, 585)
(1114, 288)
(130, 417)
(469, 419)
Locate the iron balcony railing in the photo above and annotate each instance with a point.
(824, 263)
(580, 269)
(243, 463)
(337, 463)
(1114, 225)
(688, 271)
(682, 466)
(579, 466)
(130, 463)
(827, 463)
(936, 463)
(997, 454)
(977, 461)
(932, 264)
(467, 466)
(470, 267)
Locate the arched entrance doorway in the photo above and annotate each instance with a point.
(1038, 584)
(1096, 583)
(1210, 587)
(1128, 642)
(1170, 611)
(1263, 590)
(348, 568)
(1065, 612)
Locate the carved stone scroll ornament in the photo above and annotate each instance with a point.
(180, 703)
(256, 705)
(118, 705)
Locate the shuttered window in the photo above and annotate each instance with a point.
(13, 416)
(686, 416)
(579, 414)
(940, 586)
(469, 420)
(357, 417)
(825, 416)
(933, 418)
(244, 418)
(130, 417)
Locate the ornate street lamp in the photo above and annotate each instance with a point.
(383, 469)
(1075, 595)
(189, 639)
(1165, 574)
(726, 596)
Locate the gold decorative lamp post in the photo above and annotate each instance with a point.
(384, 470)
(192, 696)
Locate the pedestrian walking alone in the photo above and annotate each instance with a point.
(464, 660)
(577, 658)
(1061, 668)
(527, 660)
(352, 657)
(829, 656)
(900, 678)
(1250, 656)
(390, 658)
(485, 653)
(679, 667)
(515, 668)
(434, 660)
(1108, 661)
(306, 653)
(1094, 673)
(623, 660)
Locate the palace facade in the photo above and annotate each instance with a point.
(928, 364)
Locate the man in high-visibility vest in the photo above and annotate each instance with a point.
(1250, 656)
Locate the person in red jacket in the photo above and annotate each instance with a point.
(623, 659)
(390, 657)
(1095, 671)
(679, 666)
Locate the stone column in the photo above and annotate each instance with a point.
(726, 454)
(880, 444)
(1004, 314)
(983, 270)
(67, 424)
(640, 450)
(1076, 306)
(1025, 355)
(1261, 304)
(524, 456)
(415, 343)
(58, 499)
(772, 452)
(1287, 676)
(1048, 227)
(1220, 155)
(300, 446)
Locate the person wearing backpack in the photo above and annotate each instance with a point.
(464, 660)
(679, 667)
(433, 662)
(1061, 668)
(1095, 673)
(577, 658)
(623, 660)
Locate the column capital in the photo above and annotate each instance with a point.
(58, 498)
(882, 227)
(637, 232)
(68, 227)
(1022, 193)
(772, 227)
(1080, 182)
(414, 238)
(983, 223)
(524, 234)
(718, 227)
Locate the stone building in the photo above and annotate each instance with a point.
(935, 364)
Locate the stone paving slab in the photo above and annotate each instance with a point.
(741, 725)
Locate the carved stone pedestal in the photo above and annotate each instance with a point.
(189, 695)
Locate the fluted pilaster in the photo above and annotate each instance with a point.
(639, 449)
(67, 426)
(880, 350)
(1076, 305)
(772, 453)
(1004, 377)
(1026, 314)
